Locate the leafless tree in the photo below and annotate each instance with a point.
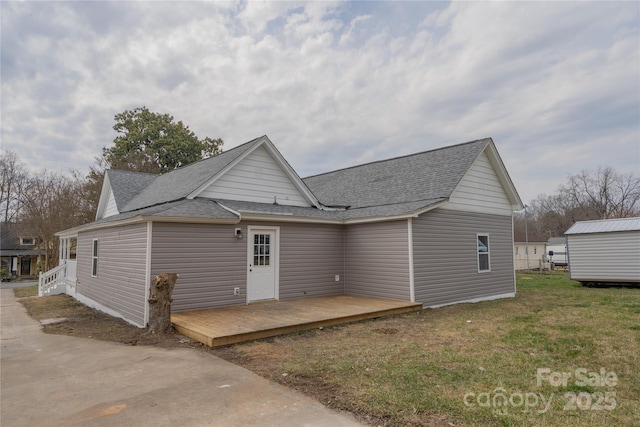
(50, 203)
(598, 194)
(553, 215)
(13, 176)
(604, 193)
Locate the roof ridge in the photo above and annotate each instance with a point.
(398, 157)
(132, 172)
(610, 219)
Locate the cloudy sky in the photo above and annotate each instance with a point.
(333, 84)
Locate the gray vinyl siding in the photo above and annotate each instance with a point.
(311, 255)
(377, 260)
(210, 260)
(606, 257)
(120, 283)
(445, 257)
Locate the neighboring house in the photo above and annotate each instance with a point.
(605, 251)
(19, 255)
(557, 246)
(528, 249)
(433, 227)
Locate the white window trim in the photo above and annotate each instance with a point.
(94, 257)
(488, 253)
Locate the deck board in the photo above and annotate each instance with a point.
(229, 325)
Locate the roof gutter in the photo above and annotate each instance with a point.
(190, 220)
(73, 232)
(232, 211)
(289, 218)
(413, 214)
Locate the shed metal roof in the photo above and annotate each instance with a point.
(605, 226)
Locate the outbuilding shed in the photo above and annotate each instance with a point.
(605, 251)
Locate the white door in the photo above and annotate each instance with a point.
(263, 258)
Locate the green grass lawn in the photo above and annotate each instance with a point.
(475, 364)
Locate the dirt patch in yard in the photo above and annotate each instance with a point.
(84, 322)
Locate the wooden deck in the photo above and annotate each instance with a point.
(229, 325)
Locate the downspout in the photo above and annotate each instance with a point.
(513, 257)
(344, 259)
(412, 290)
(147, 273)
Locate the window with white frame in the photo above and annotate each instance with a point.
(27, 241)
(484, 261)
(94, 258)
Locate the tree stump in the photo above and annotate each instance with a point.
(160, 302)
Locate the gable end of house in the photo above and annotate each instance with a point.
(260, 175)
(486, 187)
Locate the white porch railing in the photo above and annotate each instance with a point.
(49, 282)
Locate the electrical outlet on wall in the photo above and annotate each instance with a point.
(236, 291)
(337, 277)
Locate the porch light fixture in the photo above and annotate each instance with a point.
(239, 233)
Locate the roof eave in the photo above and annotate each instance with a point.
(190, 220)
(289, 218)
(104, 196)
(406, 215)
(503, 176)
(73, 232)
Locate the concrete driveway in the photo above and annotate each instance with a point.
(53, 380)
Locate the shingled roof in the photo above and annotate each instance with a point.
(181, 182)
(127, 185)
(383, 189)
(426, 176)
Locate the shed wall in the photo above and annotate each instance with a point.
(121, 281)
(606, 257)
(445, 257)
(377, 260)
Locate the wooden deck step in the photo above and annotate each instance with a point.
(230, 325)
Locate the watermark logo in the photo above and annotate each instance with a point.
(501, 401)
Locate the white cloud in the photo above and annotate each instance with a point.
(333, 84)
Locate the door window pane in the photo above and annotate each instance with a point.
(261, 249)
